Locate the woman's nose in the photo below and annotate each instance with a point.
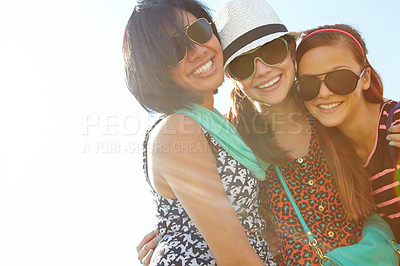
(261, 67)
(196, 52)
(324, 90)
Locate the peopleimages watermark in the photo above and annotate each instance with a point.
(121, 147)
(123, 134)
(114, 124)
(114, 133)
(112, 147)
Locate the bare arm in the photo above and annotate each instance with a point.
(188, 167)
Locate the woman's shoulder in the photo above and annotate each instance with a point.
(388, 104)
(389, 108)
(176, 127)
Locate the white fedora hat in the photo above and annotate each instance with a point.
(246, 24)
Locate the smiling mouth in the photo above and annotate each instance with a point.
(204, 68)
(270, 83)
(329, 106)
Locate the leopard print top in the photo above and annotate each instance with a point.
(313, 188)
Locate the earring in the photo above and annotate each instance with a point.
(239, 93)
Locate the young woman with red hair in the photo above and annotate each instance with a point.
(343, 92)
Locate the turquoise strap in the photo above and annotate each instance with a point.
(226, 135)
(307, 230)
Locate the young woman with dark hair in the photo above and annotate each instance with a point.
(203, 176)
(344, 92)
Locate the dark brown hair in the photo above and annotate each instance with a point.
(146, 46)
(351, 178)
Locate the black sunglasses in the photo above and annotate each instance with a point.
(342, 82)
(272, 53)
(199, 32)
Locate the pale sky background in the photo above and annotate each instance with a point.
(72, 190)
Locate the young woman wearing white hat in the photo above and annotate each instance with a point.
(259, 57)
(334, 199)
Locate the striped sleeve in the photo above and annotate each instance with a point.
(385, 175)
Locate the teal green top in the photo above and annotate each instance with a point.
(226, 135)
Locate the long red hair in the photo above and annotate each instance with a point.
(352, 180)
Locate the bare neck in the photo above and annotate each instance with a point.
(208, 101)
(290, 126)
(361, 130)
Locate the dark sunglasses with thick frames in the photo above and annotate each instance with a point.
(199, 32)
(341, 82)
(272, 53)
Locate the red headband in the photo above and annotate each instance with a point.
(337, 30)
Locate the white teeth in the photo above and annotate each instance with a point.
(204, 68)
(272, 82)
(329, 106)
